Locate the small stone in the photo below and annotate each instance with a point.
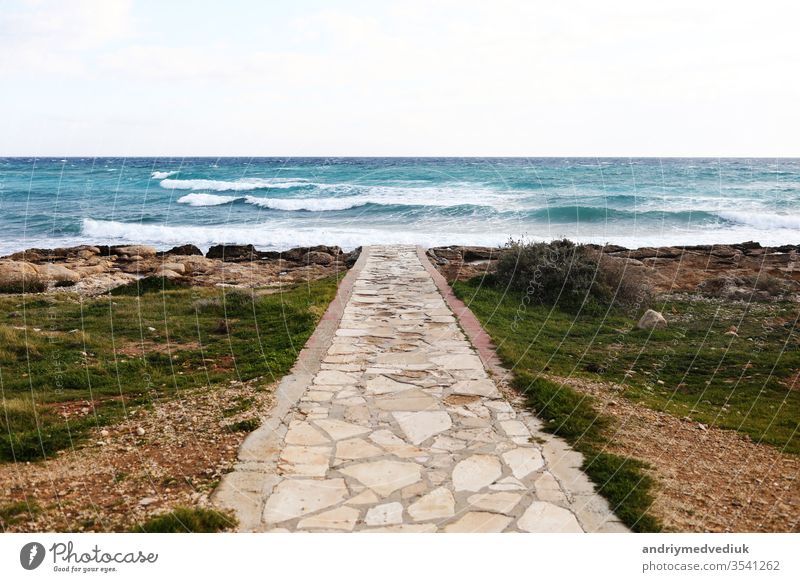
(104, 433)
(145, 501)
(140, 431)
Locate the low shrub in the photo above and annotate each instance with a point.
(27, 285)
(145, 285)
(570, 275)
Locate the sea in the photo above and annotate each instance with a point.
(280, 203)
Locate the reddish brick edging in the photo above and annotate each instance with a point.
(469, 323)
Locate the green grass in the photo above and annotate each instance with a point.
(113, 351)
(187, 520)
(691, 369)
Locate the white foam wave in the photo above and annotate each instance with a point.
(764, 221)
(241, 185)
(203, 199)
(309, 204)
(162, 175)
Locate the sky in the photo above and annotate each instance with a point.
(399, 78)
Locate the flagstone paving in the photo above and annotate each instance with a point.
(398, 427)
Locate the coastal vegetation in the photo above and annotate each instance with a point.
(70, 363)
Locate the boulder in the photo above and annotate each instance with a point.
(176, 267)
(232, 252)
(652, 320)
(13, 273)
(134, 250)
(57, 273)
(183, 250)
(317, 258)
(168, 273)
(201, 264)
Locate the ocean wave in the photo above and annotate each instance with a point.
(162, 175)
(764, 221)
(307, 204)
(267, 236)
(241, 185)
(203, 199)
(578, 214)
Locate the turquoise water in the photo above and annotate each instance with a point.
(281, 203)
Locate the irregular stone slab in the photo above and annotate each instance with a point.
(404, 528)
(302, 433)
(542, 517)
(334, 378)
(446, 443)
(384, 477)
(479, 522)
(409, 400)
(343, 518)
(547, 489)
(366, 497)
(523, 461)
(295, 497)
(515, 428)
(459, 362)
(339, 430)
(303, 455)
(498, 502)
(386, 514)
(385, 385)
(356, 449)
(420, 426)
(476, 472)
(481, 387)
(437, 504)
(393, 444)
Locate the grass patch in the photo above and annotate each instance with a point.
(152, 284)
(70, 363)
(246, 425)
(693, 368)
(187, 520)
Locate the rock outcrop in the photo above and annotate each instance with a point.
(745, 271)
(95, 269)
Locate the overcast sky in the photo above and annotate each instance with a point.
(411, 77)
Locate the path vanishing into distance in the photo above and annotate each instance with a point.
(390, 421)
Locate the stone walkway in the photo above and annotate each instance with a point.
(391, 423)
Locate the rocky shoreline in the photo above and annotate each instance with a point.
(91, 270)
(744, 271)
(738, 271)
